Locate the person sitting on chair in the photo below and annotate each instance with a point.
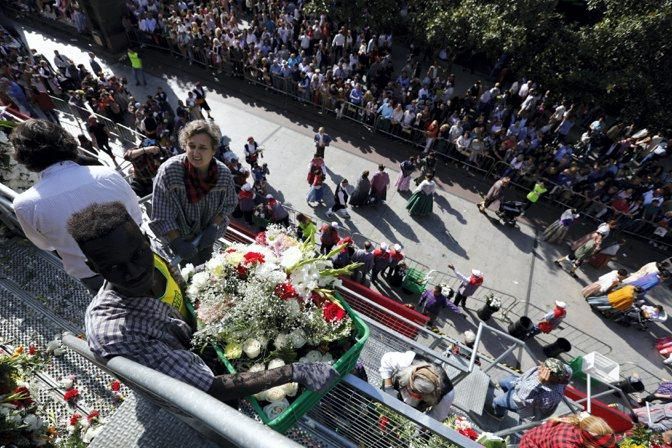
(141, 310)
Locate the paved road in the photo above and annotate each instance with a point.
(456, 234)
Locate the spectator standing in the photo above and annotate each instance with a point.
(328, 237)
(99, 134)
(64, 188)
(432, 301)
(276, 212)
(395, 256)
(136, 65)
(364, 256)
(381, 259)
(468, 285)
(306, 230)
(95, 66)
(146, 161)
(246, 204)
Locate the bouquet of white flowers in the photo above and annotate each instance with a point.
(269, 303)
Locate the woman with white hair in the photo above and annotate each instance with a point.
(468, 286)
(418, 383)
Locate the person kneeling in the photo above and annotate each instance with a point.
(140, 312)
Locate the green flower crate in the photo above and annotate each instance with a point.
(307, 400)
(414, 281)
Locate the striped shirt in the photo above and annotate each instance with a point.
(147, 331)
(534, 398)
(171, 209)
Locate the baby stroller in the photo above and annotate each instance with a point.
(638, 315)
(509, 211)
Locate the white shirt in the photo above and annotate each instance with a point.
(426, 186)
(392, 362)
(63, 189)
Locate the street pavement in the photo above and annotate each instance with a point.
(457, 233)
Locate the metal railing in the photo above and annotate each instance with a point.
(209, 416)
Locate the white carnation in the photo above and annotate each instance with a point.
(281, 340)
(275, 363)
(252, 348)
(275, 393)
(291, 389)
(298, 338)
(313, 356)
(290, 257)
(187, 272)
(259, 367)
(67, 382)
(200, 280)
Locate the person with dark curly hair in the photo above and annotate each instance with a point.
(63, 189)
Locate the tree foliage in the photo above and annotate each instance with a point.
(622, 61)
(379, 15)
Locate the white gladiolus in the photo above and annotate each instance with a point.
(291, 257)
(291, 389)
(298, 338)
(275, 363)
(276, 393)
(313, 356)
(252, 348)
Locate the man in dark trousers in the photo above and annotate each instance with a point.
(496, 193)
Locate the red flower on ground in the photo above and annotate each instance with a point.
(115, 385)
(383, 421)
(333, 312)
(254, 257)
(71, 394)
(32, 349)
(261, 238)
(74, 418)
(93, 415)
(285, 291)
(23, 398)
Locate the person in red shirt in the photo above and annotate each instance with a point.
(329, 237)
(381, 260)
(395, 256)
(575, 431)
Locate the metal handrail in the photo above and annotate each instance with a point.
(216, 420)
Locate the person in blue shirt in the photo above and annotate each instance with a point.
(385, 110)
(356, 95)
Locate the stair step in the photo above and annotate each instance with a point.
(470, 393)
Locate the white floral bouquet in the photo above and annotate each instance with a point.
(270, 303)
(493, 302)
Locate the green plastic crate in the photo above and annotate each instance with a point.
(414, 281)
(307, 400)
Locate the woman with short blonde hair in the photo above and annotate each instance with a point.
(576, 431)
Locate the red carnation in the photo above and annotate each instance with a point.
(74, 419)
(115, 385)
(32, 349)
(93, 415)
(469, 432)
(332, 312)
(242, 271)
(261, 239)
(23, 399)
(254, 257)
(317, 298)
(71, 394)
(383, 421)
(285, 291)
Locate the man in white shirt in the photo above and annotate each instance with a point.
(64, 188)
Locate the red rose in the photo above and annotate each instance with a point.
(254, 258)
(32, 349)
(93, 415)
(71, 394)
(285, 291)
(23, 398)
(261, 239)
(333, 312)
(115, 385)
(74, 419)
(469, 432)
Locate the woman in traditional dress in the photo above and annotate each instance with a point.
(316, 191)
(406, 170)
(361, 194)
(422, 200)
(582, 250)
(556, 232)
(605, 283)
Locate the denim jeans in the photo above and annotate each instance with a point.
(505, 402)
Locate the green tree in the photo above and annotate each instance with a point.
(380, 15)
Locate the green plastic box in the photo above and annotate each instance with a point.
(307, 400)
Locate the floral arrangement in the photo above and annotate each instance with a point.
(494, 303)
(12, 174)
(21, 418)
(461, 425)
(270, 303)
(642, 437)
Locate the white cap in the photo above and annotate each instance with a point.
(383, 245)
(334, 224)
(476, 273)
(246, 187)
(560, 304)
(269, 196)
(397, 247)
